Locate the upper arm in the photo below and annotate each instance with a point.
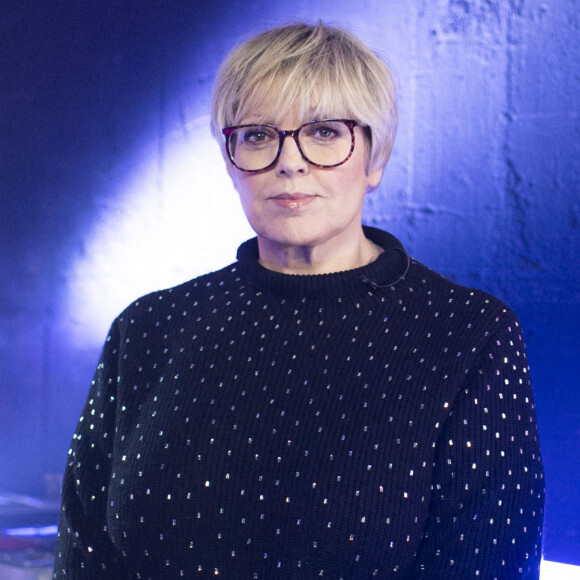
(488, 490)
(84, 549)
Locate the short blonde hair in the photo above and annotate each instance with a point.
(319, 70)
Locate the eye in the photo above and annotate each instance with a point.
(255, 136)
(325, 132)
(258, 135)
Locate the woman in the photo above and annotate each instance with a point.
(325, 406)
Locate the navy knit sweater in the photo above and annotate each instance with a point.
(373, 423)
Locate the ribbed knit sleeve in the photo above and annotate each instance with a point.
(485, 517)
(84, 548)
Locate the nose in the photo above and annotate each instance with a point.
(291, 161)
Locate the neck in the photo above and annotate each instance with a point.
(315, 259)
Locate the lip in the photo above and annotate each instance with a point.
(293, 200)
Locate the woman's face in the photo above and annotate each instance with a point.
(295, 204)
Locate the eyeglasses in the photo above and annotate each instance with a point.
(327, 143)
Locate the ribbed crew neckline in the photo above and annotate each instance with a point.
(387, 270)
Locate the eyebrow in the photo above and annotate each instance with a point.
(310, 116)
(256, 121)
(260, 121)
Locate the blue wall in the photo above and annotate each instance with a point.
(102, 106)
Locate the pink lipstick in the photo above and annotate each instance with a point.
(293, 200)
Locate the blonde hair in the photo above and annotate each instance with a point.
(320, 71)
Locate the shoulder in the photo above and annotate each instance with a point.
(429, 292)
(455, 308)
(199, 293)
(437, 288)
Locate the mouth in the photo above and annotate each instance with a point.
(293, 200)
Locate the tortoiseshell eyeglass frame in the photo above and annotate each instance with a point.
(227, 131)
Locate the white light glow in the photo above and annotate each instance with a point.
(178, 216)
(556, 571)
(31, 532)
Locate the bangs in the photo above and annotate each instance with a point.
(315, 78)
(293, 95)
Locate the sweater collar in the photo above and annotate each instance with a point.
(386, 271)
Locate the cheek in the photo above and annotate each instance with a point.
(246, 184)
(241, 186)
(237, 181)
(247, 192)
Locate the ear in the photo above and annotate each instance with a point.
(374, 178)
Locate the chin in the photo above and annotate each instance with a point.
(288, 241)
